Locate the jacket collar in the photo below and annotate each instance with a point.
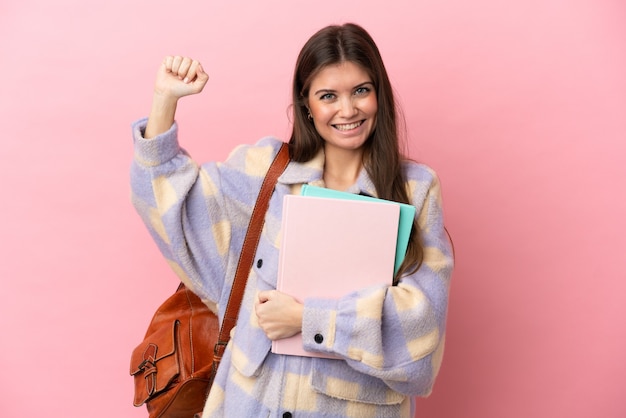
(312, 172)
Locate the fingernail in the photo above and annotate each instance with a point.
(186, 80)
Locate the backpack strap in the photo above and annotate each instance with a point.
(248, 251)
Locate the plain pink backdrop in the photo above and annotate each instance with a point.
(519, 106)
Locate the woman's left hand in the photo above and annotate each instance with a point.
(279, 315)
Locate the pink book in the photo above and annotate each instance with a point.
(332, 247)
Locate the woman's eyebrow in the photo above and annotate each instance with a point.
(324, 91)
(364, 83)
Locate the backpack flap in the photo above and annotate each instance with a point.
(154, 363)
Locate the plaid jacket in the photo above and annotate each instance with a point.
(390, 338)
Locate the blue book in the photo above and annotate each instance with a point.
(407, 215)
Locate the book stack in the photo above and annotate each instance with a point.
(334, 243)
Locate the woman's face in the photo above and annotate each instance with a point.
(342, 101)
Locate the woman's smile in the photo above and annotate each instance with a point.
(348, 126)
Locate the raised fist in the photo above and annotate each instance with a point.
(180, 76)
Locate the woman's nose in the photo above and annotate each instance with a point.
(348, 107)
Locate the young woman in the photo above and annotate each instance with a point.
(390, 338)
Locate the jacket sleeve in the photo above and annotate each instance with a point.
(197, 214)
(173, 196)
(394, 333)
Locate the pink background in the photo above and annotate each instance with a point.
(519, 106)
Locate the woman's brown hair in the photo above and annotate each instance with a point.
(382, 158)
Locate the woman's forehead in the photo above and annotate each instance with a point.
(341, 74)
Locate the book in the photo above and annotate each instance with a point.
(332, 247)
(407, 215)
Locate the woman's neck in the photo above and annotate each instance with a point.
(341, 167)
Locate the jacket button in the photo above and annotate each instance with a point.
(259, 263)
(318, 338)
(287, 415)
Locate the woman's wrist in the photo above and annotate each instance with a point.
(162, 114)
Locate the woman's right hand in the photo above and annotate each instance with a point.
(177, 77)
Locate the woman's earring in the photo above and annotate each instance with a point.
(309, 115)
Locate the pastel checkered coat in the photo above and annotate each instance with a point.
(390, 338)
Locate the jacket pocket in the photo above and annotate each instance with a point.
(343, 382)
(248, 358)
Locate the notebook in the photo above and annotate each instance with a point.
(332, 247)
(407, 215)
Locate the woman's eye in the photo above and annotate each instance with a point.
(327, 96)
(361, 90)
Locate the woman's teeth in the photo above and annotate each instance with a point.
(348, 126)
